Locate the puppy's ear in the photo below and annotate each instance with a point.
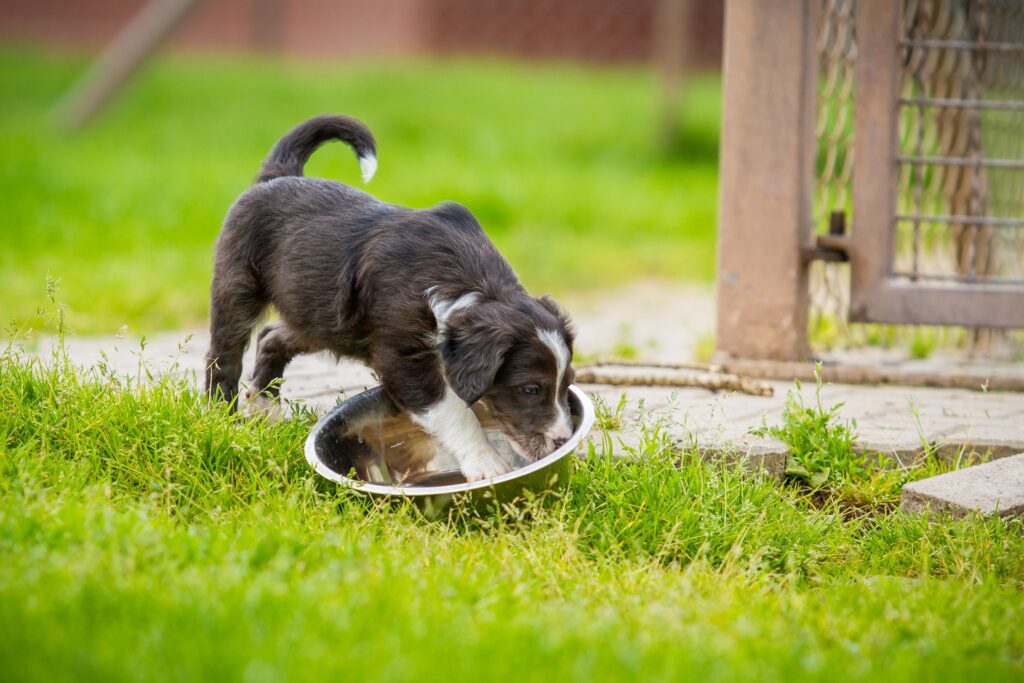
(568, 331)
(474, 348)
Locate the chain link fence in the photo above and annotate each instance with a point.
(961, 156)
(837, 55)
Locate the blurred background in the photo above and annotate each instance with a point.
(582, 133)
(586, 31)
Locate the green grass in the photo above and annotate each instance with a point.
(145, 535)
(560, 163)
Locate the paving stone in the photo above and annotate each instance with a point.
(719, 435)
(903, 445)
(864, 399)
(992, 441)
(726, 412)
(995, 487)
(767, 456)
(875, 401)
(965, 411)
(649, 399)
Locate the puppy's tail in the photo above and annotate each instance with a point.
(289, 155)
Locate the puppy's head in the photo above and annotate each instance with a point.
(516, 359)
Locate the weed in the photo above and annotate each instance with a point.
(607, 418)
(823, 454)
(922, 344)
(704, 348)
(624, 347)
(821, 447)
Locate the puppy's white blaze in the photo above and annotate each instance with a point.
(561, 428)
(458, 431)
(367, 166)
(443, 309)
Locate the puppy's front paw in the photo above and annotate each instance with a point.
(265, 406)
(485, 465)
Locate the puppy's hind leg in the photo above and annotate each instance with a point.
(235, 306)
(276, 345)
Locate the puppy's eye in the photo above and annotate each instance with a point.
(531, 389)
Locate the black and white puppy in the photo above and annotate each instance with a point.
(421, 296)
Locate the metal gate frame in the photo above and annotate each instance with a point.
(875, 296)
(766, 238)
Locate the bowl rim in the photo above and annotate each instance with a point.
(586, 422)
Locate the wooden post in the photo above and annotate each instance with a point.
(120, 60)
(766, 177)
(672, 36)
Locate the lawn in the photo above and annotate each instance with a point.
(560, 163)
(148, 536)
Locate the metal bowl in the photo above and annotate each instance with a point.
(368, 444)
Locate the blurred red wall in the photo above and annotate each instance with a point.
(609, 31)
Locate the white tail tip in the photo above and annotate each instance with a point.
(368, 166)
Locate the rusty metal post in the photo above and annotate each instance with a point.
(766, 177)
(875, 174)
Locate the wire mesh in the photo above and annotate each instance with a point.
(960, 196)
(960, 217)
(837, 50)
(837, 56)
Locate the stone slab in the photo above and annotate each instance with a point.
(995, 487)
(987, 441)
(756, 455)
(904, 446)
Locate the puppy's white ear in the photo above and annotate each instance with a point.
(474, 349)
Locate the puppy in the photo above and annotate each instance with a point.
(421, 296)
